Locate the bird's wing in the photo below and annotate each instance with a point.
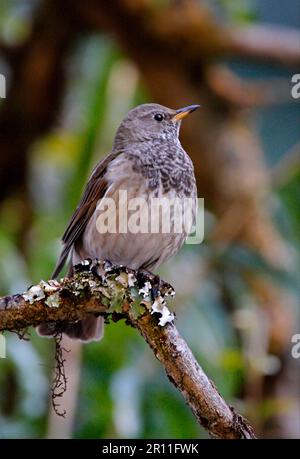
(95, 190)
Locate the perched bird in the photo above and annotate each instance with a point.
(147, 161)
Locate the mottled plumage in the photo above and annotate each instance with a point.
(148, 161)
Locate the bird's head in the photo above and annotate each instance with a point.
(150, 122)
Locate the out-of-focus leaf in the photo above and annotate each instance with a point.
(290, 196)
(97, 104)
(241, 12)
(241, 259)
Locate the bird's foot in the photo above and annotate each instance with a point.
(158, 286)
(101, 268)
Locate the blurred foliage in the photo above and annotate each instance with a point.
(15, 20)
(124, 391)
(241, 12)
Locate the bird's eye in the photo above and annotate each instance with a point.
(158, 117)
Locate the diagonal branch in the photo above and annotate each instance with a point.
(277, 44)
(117, 292)
(240, 93)
(187, 30)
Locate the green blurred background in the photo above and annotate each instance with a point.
(116, 387)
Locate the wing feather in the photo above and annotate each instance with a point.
(95, 190)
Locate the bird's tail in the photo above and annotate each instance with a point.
(89, 329)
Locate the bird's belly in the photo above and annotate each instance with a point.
(133, 250)
(140, 250)
(128, 232)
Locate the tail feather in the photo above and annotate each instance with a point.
(89, 329)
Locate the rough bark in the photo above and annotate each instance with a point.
(110, 293)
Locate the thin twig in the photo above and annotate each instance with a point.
(59, 384)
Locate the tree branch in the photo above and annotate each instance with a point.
(190, 28)
(117, 292)
(241, 93)
(35, 90)
(266, 42)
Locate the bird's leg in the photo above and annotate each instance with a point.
(155, 288)
(100, 268)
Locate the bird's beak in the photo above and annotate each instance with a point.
(183, 112)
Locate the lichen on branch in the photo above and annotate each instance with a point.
(97, 287)
(140, 298)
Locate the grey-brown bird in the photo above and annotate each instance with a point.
(147, 161)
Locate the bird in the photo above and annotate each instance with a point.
(147, 161)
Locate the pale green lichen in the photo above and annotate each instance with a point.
(145, 291)
(100, 293)
(53, 301)
(131, 280)
(40, 291)
(50, 286)
(137, 308)
(115, 286)
(122, 278)
(159, 306)
(35, 293)
(123, 285)
(117, 301)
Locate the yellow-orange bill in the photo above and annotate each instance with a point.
(183, 112)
